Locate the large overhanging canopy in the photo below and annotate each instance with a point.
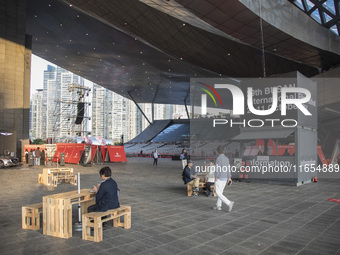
(149, 49)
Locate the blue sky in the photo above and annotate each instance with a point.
(38, 65)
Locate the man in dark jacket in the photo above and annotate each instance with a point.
(190, 178)
(106, 194)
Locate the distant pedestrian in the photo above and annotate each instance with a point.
(37, 156)
(155, 157)
(184, 158)
(33, 152)
(42, 159)
(26, 156)
(222, 176)
(286, 153)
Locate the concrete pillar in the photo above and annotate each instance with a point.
(15, 68)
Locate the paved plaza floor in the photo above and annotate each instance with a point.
(266, 219)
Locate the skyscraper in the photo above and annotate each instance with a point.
(112, 115)
(36, 115)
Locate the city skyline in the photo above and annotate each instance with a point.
(107, 114)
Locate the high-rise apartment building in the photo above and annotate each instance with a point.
(36, 115)
(113, 115)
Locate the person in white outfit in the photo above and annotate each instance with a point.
(222, 177)
(155, 157)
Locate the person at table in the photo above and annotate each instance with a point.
(184, 158)
(210, 177)
(190, 178)
(106, 193)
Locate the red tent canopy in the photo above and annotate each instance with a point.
(117, 153)
(60, 149)
(68, 151)
(94, 149)
(104, 151)
(77, 153)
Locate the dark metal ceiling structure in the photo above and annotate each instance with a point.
(324, 12)
(149, 49)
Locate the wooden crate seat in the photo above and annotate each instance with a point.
(201, 185)
(95, 220)
(31, 216)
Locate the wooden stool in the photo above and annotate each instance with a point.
(31, 216)
(40, 178)
(73, 180)
(189, 190)
(212, 187)
(97, 222)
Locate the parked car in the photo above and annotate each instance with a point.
(6, 161)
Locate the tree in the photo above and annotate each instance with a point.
(38, 141)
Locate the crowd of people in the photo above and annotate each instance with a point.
(39, 156)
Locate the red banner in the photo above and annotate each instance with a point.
(117, 153)
(322, 156)
(77, 153)
(94, 149)
(104, 151)
(68, 151)
(60, 148)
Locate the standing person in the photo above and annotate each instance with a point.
(155, 157)
(42, 160)
(184, 158)
(190, 178)
(26, 156)
(106, 193)
(222, 176)
(33, 156)
(37, 156)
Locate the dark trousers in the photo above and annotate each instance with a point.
(92, 208)
(209, 184)
(155, 161)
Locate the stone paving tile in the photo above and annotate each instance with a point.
(266, 219)
(276, 249)
(74, 251)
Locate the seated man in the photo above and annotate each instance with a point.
(210, 177)
(106, 194)
(190, 178)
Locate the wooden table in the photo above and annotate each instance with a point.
(57, 211)
(51, 176)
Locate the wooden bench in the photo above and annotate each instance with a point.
(95, 220)
(201, 185)
(31, 216)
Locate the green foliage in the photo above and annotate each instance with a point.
(39, 141)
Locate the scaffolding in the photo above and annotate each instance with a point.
(71, 113)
